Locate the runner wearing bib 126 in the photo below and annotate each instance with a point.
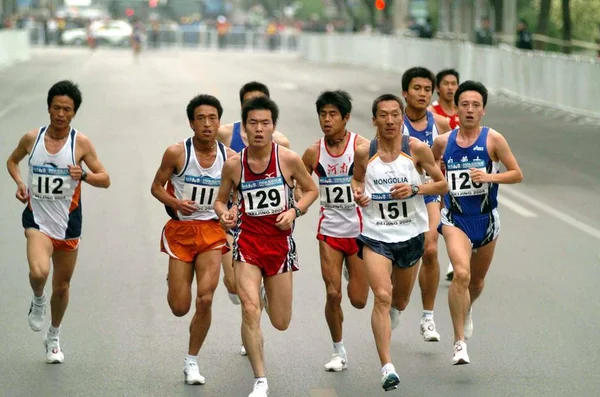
(470, 222)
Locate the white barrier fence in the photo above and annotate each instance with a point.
(14, 47)
(564, 82)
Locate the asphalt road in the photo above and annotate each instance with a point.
(536, 324)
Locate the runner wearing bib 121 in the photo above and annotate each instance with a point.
(340, 220)
(263, 175)
(388, 186)
(193, 238)
(470, 221)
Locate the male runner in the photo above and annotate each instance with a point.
(446, 83)
(332, 159)
(234, 136)
(193, 237)
(263, 174)
(52, 218)
(417, 87)
(387, 184)
(470, 222)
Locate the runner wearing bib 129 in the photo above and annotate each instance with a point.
(263, 197)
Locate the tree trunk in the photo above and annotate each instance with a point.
(370, 4)
(388, 17)
(543, 20)
(354, 22)
(566, 11)
(498, 16)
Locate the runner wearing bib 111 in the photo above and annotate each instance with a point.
(470, 221)
(193, 238)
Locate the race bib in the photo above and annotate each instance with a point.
(391, 212)
(459, 179)
(335, 192)
(264, 197)
(202, 190)
(49, 183)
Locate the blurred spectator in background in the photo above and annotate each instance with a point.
(485, 35)
(524, 39)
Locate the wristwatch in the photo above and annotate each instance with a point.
(83, 175)
(299, 212)
(415, 190)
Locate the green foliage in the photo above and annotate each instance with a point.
(310, 7)
(585, 16)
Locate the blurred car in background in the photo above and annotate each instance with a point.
(114, 33)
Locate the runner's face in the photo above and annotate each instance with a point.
(331, 121)
(419, 93)
(259, 127)
(470, 109)
(206, 123)
(62, 111)
(448, 87)
(388, 119)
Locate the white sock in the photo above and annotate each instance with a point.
(191, 359)
(428, 314)
(338, 348)
(53, 332)
(389, 367)
(263, 379)
(40, 300)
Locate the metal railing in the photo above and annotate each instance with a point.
(564, 82)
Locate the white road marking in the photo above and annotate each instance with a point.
(519, 209)
(569, 220)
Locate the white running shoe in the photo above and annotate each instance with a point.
(243, 351)
(390, 381)
(37, 315)
(234, 298)
(468, 330)
(394, 316)
(336, 364)
(263, 298)
(460, 353)
(261, 389)
(53, 353)
(450, 272)
(428, 330)
(192, 374)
